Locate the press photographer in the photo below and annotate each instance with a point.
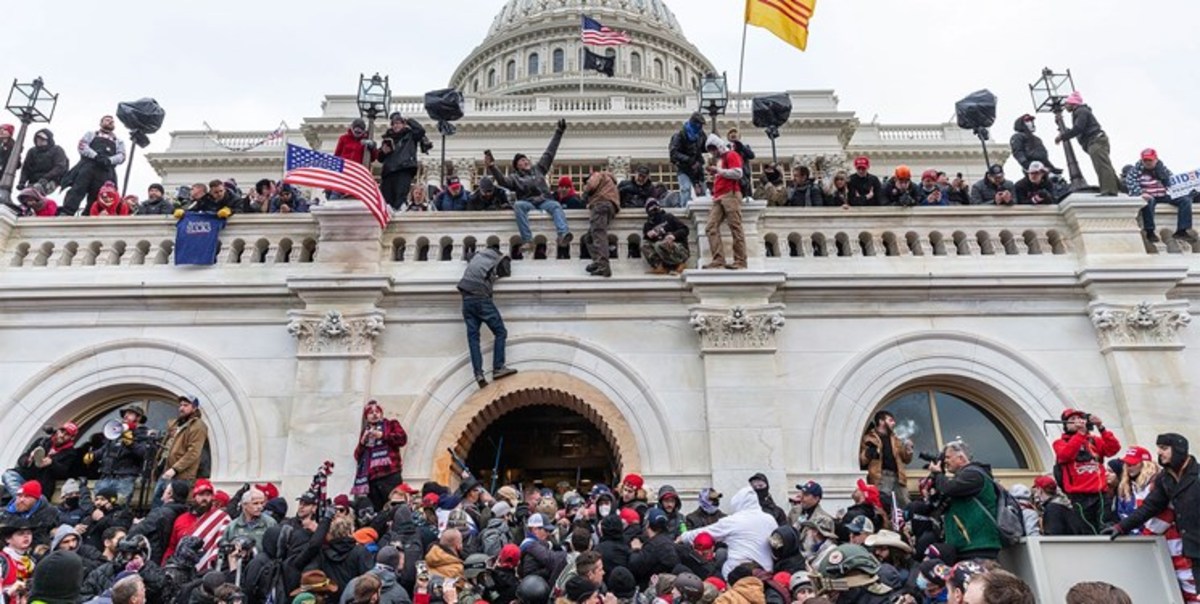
(1080, 469)
(970, 502)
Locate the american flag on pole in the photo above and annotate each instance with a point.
(315, 169)
(897, 515)
(595, 34)
(210, 528)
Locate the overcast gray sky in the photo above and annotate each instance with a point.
(248, 65)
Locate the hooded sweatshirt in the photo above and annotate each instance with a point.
(44, 163)
(746, 532)
(767, 503)
(49, 207)
(1027, 147)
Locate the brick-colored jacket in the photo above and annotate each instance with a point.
(186, 447)
(874, 467)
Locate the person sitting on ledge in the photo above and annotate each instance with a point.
(993, 189)
(1151, 180)
(455, 198)
(1036, 188)
(109, 202)
(665, 241)
(567, 195)
(930, 192)
(528, 181)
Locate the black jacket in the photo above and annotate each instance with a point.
(657, 555)
(538, 559)
(1058, 518)
(1083, 126)
(861, 186)
(268, 571)
(403, 155)
(687, 155)
(807, 194)
(1027, 147)
(44, 163)
(478, 203)
(634, 195)
(531, 183)
(700, 567)
(118, 460)
(670, 226)
(894, 196)
(118, 516)
(1041, 193)
(613, 548)
(341, 559)
(1181, 491)
(102, 578)
(157, 525)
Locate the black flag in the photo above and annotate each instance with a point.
(601, 63)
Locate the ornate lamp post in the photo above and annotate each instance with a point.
(374, 98)
(1049, 94)
(31, 103)
(714, 96)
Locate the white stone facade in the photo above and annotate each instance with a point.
(704, 378)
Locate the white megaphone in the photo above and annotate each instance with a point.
(113, 429)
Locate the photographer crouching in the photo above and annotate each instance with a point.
(1080, 470)
(970, 502)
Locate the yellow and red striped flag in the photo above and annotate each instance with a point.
(787, 19)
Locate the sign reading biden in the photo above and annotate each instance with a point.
(1184, 183)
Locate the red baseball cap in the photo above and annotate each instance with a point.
(634, 480)
(704, 541)
(862, 161)
(405, 488)
(929, 175)
(1136, 455)
(1149, 154)
(1045, 483)
(430, 500)
(221, 498)
(717, 583)
(510, 556)
(630, 516)
(1069, 413)
(342, 500)
(202, 486)
(70, 428)
(268, 489)
(32, 489)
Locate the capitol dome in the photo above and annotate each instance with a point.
(534, 46)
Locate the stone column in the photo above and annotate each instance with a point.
(752, 214)
(335, 333)
(1137, 325)
(737, 325)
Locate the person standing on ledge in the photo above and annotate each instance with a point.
(483, 270)
(727, 205)
(379, 465)
(1093, 140)
(603, 203)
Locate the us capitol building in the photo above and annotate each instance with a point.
(972, 322)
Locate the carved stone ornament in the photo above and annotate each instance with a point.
(619, 166)
(737, 328)
(333, 334)
(1140, 326)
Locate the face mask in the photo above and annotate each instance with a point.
(1031, 126)
(604, 510)
(922, 582)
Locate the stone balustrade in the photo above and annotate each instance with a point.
(784, 238)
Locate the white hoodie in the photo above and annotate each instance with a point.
(746, 532)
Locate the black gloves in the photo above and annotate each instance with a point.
(872, 451)
(562, 125)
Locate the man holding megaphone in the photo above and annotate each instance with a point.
(120, 451)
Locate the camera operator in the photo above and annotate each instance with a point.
(884, 457)
(971, 502)
(1080, 469)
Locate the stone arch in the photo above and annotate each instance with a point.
(997, 372)
(68, 386)
(620, 403)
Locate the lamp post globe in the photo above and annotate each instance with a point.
(374, 98)
(1049, 94)
(714, 96)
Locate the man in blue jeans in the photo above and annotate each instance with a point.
(1151, 180)
(484, 269)
(687, 155)
(528, 181)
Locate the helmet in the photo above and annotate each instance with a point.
(475, 564)
(846, 567)
(533, 590)
(903, 173)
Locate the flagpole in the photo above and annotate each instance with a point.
(582, 50)
(741, 68)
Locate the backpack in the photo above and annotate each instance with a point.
(1008, 520)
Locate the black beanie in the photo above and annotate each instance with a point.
(1179, 448)
(180, 490)
(578, 589)
(518, 157)
(621, 583)
(57, 578)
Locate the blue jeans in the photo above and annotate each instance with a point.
(12, 482)
(553, 208)
(160, 487)
(1185, 212)
(478, 311)
(123, 485)
(687, 189)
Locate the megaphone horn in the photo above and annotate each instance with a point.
(113, 429)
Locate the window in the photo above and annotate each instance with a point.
(492, 78)
(475, 85)
(658, 69)
(510, 71)
(534, 66)
(678, 77)
(635, 64)
(933, 417)
(559, 58)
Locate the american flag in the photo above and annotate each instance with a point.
(210, 528)
(323, 171)
(599, 35)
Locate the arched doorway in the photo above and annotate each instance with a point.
(543, 445)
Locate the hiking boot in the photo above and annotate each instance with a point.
(657, 270)
(565, 239)
(481, 380)
(1185, 236)
(37, 456)
(1150, 236)
(736, 266)
(526, 250)
(503, 372)
(714, 264)
(591, 268)
(603, 271)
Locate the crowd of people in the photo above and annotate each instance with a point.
(386, 541)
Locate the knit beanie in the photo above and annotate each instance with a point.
(621, 583)
(57, 579)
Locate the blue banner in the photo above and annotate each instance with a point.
(197, 238)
